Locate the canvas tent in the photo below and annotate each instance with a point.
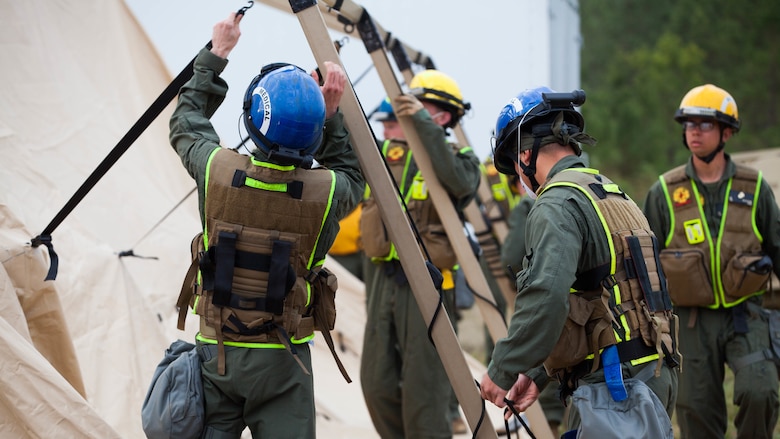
(79, 351)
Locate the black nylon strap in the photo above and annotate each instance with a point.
(277, 277)
(239, 178)
(151, 113)
(53, 258)
(667, 299)
(252, 261)
(225, 259)
(295, 189)
(739, 315)
(654, 299)
(242, 329)
(123, 145)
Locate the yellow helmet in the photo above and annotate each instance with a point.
(709, 101)
(434, 86)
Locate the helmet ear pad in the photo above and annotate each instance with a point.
(284, 110)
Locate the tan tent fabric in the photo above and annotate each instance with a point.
(36, 401)
(78, 75)
(42, 321)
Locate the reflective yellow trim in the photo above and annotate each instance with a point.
(642, 360)
(270, 165)
(205, 193)
(393, 254)
(670, 235)
(612, 188)
(465, 149)
(273, 187)
(755, 206)
(327, 211)
(634, 362)
(237, 344)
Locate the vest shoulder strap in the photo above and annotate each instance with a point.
(588, 180)
(748, 174)
(675, 175)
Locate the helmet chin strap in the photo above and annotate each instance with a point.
(711, 156)
(530, 169)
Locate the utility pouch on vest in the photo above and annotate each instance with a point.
(686, 273)
(585, 332)
(746, 273)
(647, 286)
(438, 246)
(324, 285)
(190, 287)
(642, 284)
(373, 234)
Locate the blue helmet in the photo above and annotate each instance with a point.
(384, 112)
(523, 111)
(284, 111)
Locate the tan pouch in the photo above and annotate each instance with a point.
(325, 286)
(686, 277)
(572, 346)
(586, 330)
(439, 248)
(741, 279)
(373, 234)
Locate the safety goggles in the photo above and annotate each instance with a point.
(704, 126)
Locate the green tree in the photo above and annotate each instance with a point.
(639, 58)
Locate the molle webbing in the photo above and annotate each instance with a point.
(263, 223)
(220, 261)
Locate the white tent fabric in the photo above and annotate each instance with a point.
(80, 351)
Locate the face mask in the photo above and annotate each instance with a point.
(528, 190)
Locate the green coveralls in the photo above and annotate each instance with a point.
(512, 254)
(712, 342)
(404, 383)
(264, 389)
(564, 238)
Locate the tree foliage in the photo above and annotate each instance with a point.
(639, 58)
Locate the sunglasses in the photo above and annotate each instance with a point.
(702, 126)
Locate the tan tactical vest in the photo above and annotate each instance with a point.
(256, 255)
(691, 253)
(376, 242)
(632, 307)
